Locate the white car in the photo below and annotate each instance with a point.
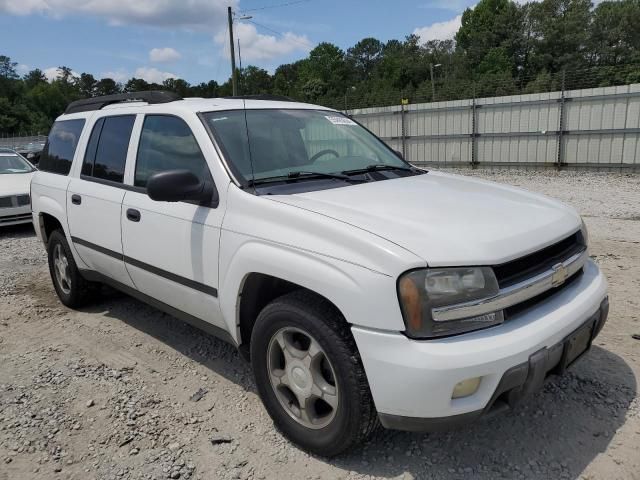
(15, 181)
(361, 288)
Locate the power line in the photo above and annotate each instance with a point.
(287, 4)
(288, 37)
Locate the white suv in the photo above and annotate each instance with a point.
(362, 289)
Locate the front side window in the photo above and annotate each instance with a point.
(13, 163)
(167, 143)
(106, 153)
(61, 145)
(270, 143)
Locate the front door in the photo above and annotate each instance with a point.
(171, 249)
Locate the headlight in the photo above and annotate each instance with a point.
(420, 291)
(585, 233)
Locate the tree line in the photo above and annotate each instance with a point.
(501, 48)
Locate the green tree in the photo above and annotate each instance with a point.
(86, 84)
(107, 86)
(254, 80)
(560, 29)
(614, 33)
(365, 56)
(491, 24)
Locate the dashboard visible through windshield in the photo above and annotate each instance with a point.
(267, 146)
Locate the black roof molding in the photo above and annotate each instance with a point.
(263, 96)
(96, 103)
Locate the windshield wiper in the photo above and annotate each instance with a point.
(376, 168)
(302, 175)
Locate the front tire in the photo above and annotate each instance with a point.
(73, 290)
(309, 375)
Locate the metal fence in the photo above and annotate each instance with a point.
(588, 127)
(18, 141)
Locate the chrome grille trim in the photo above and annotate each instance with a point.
(514, 294)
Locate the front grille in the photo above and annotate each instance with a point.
(532, 302)
(15, 201)
(535, 263)
(23, 200)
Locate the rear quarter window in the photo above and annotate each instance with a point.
(61, 145)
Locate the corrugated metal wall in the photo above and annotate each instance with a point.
(595, 127)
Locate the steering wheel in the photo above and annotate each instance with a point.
(323, 152)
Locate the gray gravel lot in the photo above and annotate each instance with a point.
(121, 391)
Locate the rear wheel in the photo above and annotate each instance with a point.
(72, 289)
(309, 374)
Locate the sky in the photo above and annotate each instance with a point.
(159, 39)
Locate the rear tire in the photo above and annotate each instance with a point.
(303, 353)
(72, 289)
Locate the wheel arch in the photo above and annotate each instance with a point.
(256, 273)
(256, 292)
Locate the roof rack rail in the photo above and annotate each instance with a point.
(96, 103)
(263, 96)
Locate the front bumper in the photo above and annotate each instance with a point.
(412, 381)
(15, 215)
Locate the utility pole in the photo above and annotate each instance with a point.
(234, 81)
(433, 88)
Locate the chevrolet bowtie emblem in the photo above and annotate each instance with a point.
(559, 276)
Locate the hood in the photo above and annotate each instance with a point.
(447, 219)
(15, 183)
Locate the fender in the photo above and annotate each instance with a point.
(338, 281)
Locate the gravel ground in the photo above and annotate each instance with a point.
(121, 391)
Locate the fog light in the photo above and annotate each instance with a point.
(466, 387)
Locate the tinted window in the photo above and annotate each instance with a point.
(57, 155)
(106, 153)
(166, 143)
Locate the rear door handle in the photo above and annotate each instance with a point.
(76, 199)
(133, 215)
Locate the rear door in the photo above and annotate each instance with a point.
(171, 248)
(94, 199)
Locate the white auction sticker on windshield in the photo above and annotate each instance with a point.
(340, 120)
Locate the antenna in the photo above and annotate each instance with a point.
(246, 123)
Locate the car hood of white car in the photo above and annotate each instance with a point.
(449, 220)
(15, 183)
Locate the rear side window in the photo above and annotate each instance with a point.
(106, 153)
(167, 143)
(58, 153)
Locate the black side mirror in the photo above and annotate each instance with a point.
(399, 154)
(180, 185)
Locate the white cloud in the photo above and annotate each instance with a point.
(153, 75)
(117, 75)
(257, 46)
(22, 69)
(52, 73)
(189, 13)
(161, 55)
(439, 30)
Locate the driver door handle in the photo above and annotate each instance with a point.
(76, 199)
(133, 215)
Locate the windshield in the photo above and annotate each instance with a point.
(279, 142)
(12, 163)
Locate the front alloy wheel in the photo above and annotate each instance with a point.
(309, 374)
(302, 377)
